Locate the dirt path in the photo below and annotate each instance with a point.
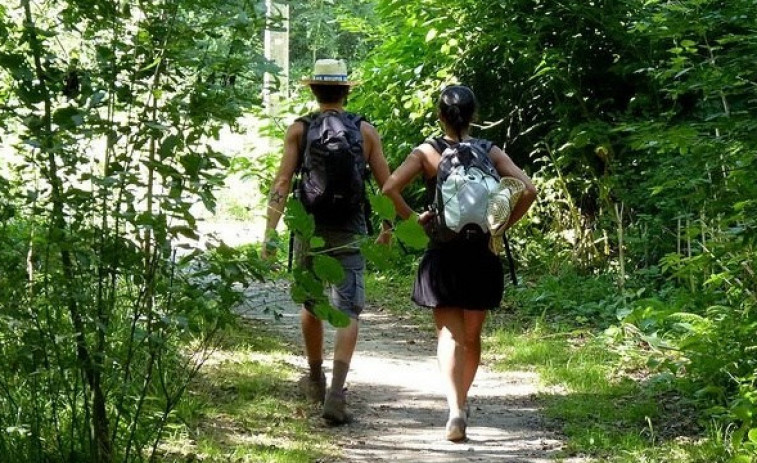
(394, 393)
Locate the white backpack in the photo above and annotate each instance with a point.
(465, 181)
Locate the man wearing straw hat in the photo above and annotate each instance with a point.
(330, 86)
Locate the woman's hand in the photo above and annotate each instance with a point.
(425, 217)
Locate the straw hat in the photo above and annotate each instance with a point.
(329, 72)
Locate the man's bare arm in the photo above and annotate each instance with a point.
(282, 182)
(375, 152)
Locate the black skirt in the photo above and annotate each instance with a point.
(462, 273)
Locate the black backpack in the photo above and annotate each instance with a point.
(333, 168)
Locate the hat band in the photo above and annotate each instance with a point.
(331, 77)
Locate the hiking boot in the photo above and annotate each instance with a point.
(314, 389)
(334, 408)
(456, 429)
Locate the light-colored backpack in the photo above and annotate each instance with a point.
(465, 180)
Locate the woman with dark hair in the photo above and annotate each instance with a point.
(461, 279)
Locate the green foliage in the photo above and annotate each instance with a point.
(597, 398)
(570, 299)
(328, 29)
(637, 122)
(311, 280)
(246, 384)
(109, 306)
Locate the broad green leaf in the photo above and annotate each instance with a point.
(335, 317)
(328, 269)
(184, 231)
(379, 255)
(68, 117)
(298, 220)
(317, 242)
(168, 145)
(308, 283)
(753, 435)
(411, 233)
(383, 206)
(299, 294)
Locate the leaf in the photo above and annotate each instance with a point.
(317, 242)
(431, 34)
(383, 206)
(307, 286)
(298, 220)
(328, 269)
(411, 233)
(192, 163)
(68, 117)
(168, 145)
(157, 126)
(753, 435)
(184, 230)
(335, 317)
(299, 294)
(379, 255)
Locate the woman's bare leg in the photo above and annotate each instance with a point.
(473, 325)
(450, 330)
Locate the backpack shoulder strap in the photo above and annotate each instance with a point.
(355, 118)
(485, 145)
(438, 143)
(306, 121)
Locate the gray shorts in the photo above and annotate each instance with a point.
(349, 295)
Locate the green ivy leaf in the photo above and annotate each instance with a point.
(411, 233)
(328, 269)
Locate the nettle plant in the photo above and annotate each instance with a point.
(109, 109)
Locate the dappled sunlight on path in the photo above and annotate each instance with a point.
(396, 399)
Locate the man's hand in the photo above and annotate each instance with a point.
(268, 253)
(385, 237)
(270, 246)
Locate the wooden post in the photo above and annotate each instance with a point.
(276, 49)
